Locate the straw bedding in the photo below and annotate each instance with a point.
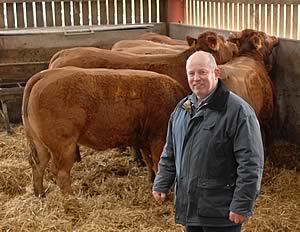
(113, 194)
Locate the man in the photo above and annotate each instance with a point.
(213, 152)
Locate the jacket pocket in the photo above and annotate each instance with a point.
(214, 198)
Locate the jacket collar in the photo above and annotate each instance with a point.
(217, 101)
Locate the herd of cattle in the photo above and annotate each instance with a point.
(124, 96)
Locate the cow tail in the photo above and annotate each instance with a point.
(33, 158)
(54, 57)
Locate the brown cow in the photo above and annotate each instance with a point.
(146, 47)
(146, 43)
(256, 44)
(98, 108)
(147, 50)
(209, 41)
(155, 37)
(247, 74)
(88, 57)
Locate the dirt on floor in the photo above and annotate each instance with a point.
(113, 194)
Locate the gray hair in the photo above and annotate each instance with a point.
(211, 59)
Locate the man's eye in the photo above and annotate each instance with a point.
(203, 73)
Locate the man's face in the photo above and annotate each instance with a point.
(202, 80)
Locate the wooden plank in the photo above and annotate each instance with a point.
(21, 71)
(11, 93)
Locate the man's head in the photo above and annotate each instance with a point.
(202, 72)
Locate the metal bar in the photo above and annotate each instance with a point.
(98, 12)
(194, 12)
(205, 14)
(228, 15)
(248, 15)
(202, 13)
(284, 20)
(124, 11)
(238, 16)
(90, 17)
(157, 11)
(53, 13)
(259, 17)
(298, 28)
(5, 15)
(132, 12)
(253, 16)
(223, 12)
(116, 11)
(107, 12)
(243, 16)
(214, 14)
(292, 21)
(210, 15)
(142, 11)
(34, 14)
(198, 12)
(80, 14)
(219, 15)
(272, 19)
(266, 18)
(149, 11)
(72, 12)
(232, 17)
(44, 14)
(186, 12)
(25, 14)
(15, 14)
(63, 24)
(278, 20)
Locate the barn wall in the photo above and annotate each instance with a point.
(24, 54)
(285, 76)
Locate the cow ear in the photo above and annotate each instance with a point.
(212, 43)
(191, 41)
(256, 42)
(272, 41)
(221, 37)
(234, 37)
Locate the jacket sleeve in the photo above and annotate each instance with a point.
(249, 155)
(166, 167)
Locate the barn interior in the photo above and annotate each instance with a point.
(112, 193)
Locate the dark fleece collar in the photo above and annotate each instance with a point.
(218, 100)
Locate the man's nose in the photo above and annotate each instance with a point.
(197, 76)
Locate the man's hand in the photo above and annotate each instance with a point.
(237, 218)
(160, 197)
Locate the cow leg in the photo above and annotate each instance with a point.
(38, 160)
(156, 150)
(146, 154)
(77, 154)
(64, 164)
(137, 156)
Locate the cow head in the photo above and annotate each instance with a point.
(254, 43)
(207, 41)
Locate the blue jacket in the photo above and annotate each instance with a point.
(214, 154)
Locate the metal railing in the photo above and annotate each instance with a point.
(275, 17)
(16, 14)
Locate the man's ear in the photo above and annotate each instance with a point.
(191, 41)
(212, 43)
(217, 73)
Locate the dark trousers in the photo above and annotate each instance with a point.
(236, 228)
